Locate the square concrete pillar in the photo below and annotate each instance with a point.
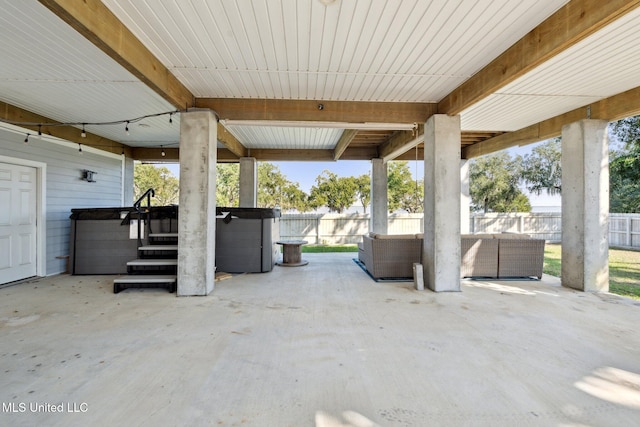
(127, 181)
(248, 182)
(585, 206)
(197, 219)
(465, 196)
(441, 250)
(379, 197)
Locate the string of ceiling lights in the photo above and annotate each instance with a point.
(83, 133)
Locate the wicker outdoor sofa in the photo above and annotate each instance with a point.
(497, 256)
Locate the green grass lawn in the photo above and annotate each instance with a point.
(327, 248)
(624, 269)
(624, 265)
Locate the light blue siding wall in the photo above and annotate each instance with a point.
(65, 190)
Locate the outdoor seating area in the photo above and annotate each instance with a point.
(319, 346)
(496, 256)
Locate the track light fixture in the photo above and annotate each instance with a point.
(126, 127)
(162, 153)
(83, 134)
(26, 139)
(79, 148)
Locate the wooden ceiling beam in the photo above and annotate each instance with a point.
(13, 114)
(572, 23)
(99, 25)
(625, 104)
(231, 142)
(153, 154)
(306, 155)
(318, 111)
(344, 141)
(400, 143)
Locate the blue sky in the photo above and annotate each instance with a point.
(305, 173)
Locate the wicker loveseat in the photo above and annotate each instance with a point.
(501, 256)
(390, 255)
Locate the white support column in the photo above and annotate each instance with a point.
(441, 250)
(379, 200)
(248, 182)
(197, 219)
(585, 206)
(465, 198)
(127, 181)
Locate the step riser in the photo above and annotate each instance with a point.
(117, 287)
(152, 269)
(149, 254)
(163, 241)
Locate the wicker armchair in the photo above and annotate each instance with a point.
(390, 256)
(479, 256)
(520, 257)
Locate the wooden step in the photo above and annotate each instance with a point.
(158, 248)
(164, 235)
(167, 278)
(152, 262)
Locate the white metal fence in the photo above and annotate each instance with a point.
(331, 229)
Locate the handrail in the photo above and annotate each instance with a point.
(137, 206)
(148, 194)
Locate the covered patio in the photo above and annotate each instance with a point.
(88, 87)
(322, 345)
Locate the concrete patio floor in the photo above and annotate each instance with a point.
(321, 345)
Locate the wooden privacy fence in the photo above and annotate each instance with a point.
(332, 229)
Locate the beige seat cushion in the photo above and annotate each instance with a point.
(477, 236)
(511, 236)
(394, 236)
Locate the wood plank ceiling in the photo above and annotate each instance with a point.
(311, 79)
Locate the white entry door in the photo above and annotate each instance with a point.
(17, 222)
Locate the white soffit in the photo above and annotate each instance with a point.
(376, 50)
(276, 137)
(602, 65)
(50, 69)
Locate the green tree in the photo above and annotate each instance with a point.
(520, 203)
(163, 182)
(493, 184)
(624, 167)
(275, 190)
(541, 170)
(293, 198)
(403, 191)
(228, 184)
(336, 193)
(363, 190)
